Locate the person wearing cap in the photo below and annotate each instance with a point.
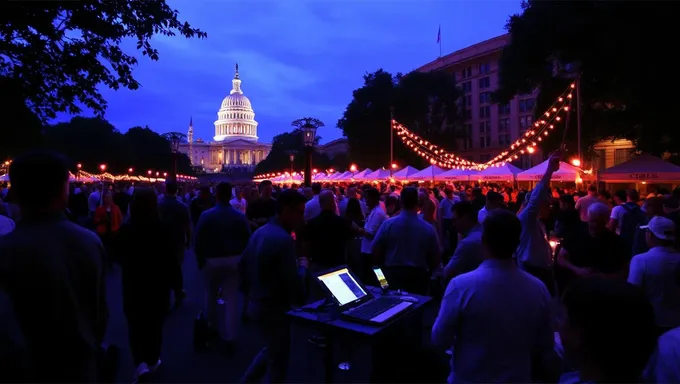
(657, 272)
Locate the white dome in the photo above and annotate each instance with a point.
(236, 118)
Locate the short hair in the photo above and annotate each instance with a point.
(633, 195)
(316, 188)
(288, 198)
(621, 194)
(326, 197)
(602, 310)
(592, 188)
(464, 209)
(409, 198)
(494, 197)
(598, 210)
(144, 205)
(171, 188)
(265, 183)
(501, 232)
(38, 177)
(223, 191)
(372, 193)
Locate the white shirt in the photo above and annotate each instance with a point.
(312, 208)
(497, 319)
(93, 201)
(6, 225)
(655, 272)
(373, 222)
(446, 206)
(239, 205)
(664, 365)
(482, 214)
(617, 213)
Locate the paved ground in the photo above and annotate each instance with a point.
(182, 364)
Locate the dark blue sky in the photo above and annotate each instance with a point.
(296, 57)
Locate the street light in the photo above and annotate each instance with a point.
(353, 168)
(576, 162)
(130, 170)
(148, 172)
(308, 127)
(175, 139)
(102, 167)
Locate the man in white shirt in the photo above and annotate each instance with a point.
(94, 200)
(350, 194)
(376, 216)
(620, 198)
(312, 207)
(238, 202)
(583, 203)
(664, 366)
(448, 230)
(657, 271)
(494, 200)
(497, 317)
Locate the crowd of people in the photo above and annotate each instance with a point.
(546, 285)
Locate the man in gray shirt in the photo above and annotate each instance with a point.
(52, 270)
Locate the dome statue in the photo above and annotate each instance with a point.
(235, 118)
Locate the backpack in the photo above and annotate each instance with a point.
(631, 220)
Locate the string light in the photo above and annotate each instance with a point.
(84, 176)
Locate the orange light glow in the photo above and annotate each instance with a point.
(353, 168)
(102, 167)
(576, 162)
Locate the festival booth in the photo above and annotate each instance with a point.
(457, 175)
(642, 169)
(428, 174)
(344, 177)
(567, 173)
(379, 175)
(361, 176)
(405, 174)
(319, 177)
(503, 173)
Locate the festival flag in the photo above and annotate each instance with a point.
(439, 35)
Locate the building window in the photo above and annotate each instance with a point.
(484, 112)
(467, 136)
(485, 134)
(504, 109)
(484, 82)
(467, 114)
(466, 101)
(601, 159)
(485, 97)
(504, 132)
(525, 123)
(484, 68)
(466, 72)
(621, 155)
(527, 105)
(466, 86)
(484, 158)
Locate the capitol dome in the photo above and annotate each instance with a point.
(235, 119)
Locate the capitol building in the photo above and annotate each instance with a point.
(235, 145)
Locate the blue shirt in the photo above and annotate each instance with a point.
(468, 255)
(407, 241)
(221, 231)
(534, 249)
(497, 319)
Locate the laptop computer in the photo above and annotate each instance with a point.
(356, 303)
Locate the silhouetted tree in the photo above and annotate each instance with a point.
(283, 145)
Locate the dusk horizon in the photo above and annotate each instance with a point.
(307, 68)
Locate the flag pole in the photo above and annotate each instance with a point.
(439, 40)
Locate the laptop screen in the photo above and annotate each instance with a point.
(343, 286)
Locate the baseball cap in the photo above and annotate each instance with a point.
(661, 227)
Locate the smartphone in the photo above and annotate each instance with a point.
(381, 278)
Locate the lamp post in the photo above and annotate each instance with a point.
(291, 156)
(308, 127)
(175, 139)
(79, 166)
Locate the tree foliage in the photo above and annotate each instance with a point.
(94, 141)
(55, 55)
(625, 88)
(423, 102)
(285, 144)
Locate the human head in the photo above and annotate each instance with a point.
(372, 197)
(592, 190)
(448, 191)
(40, 182)
(567, 202)
(632, 196)
(351, 192)
(494, 200)
(620, 197)
(316, 188)
(654, 206)
(266, 189)
(598, 217)
(464, 216)
(307, 192)
(171, 188)
(290, 209)
(107, 198)
(659, 232)
(144, 205)
(501, 233)
(409, 199)
(327, 200)
(353, 210)
(223, 192)
(598, 312)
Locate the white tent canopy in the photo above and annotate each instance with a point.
(645, 168)
(380, 174)
(405, 174)
(505, 172)
(428, 173)
(361, 176)
(346, 176)
(457, 175)
(319, 176)
(566, 172)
